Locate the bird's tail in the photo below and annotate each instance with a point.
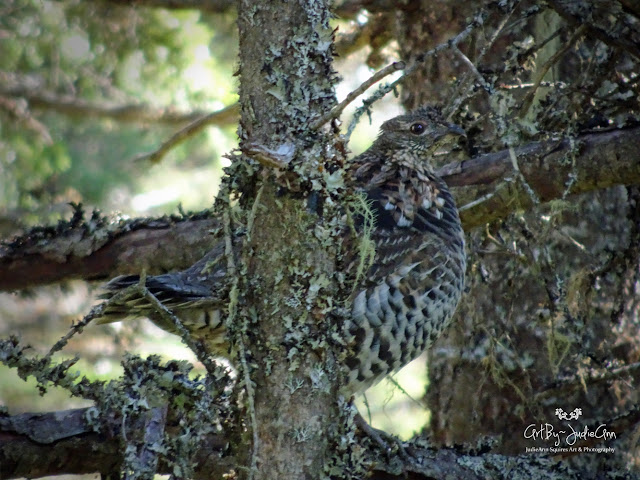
(124, 301)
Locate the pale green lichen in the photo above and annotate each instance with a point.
(201, 405)
(294, 384)
(302, 434)
(359, 208)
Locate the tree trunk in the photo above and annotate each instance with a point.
(286, 80)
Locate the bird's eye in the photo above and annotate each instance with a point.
(417, 128)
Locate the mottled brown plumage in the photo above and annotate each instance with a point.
(417, 276)
(404, 298)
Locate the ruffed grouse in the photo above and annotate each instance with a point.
(404, 300)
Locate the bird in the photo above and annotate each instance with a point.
(404, 298)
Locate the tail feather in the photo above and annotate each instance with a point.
(171, 290)
(203, 286)
(168, 288)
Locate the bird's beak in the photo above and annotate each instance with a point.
(450, 137)
(456, 130)
(450, 134)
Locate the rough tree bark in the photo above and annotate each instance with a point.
(286, 80)
(57, 443)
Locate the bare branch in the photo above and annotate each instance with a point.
(78, 108)
(376, 33)
(384, 89)
(364, 86)
(622, 33)
(602, 160)
(168, 316)
(555, 58)
(189, 131)
(42, 444)
(22, 114)
(486, 189)
(213, 6)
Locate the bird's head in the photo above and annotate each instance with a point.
(417, 136)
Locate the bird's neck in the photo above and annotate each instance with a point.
(374, 170)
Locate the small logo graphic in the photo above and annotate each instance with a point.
(568, 438)
(562, 415)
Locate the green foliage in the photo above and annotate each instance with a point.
(100, 159)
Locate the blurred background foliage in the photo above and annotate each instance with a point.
(100, 57)
(86, 88)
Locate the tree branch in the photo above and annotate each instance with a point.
(181, 135)
(487, 188)
(376, 33)
(78, 108)
(56, 443)
(16, 109)
(363, 87)
(84, 250)
(605, 22)
(213, 6)
(410, 69)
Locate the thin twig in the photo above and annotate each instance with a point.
(185, 133)
(528, 100)
(21, 112)
(465, 85)
(575, 382)
(477, 201)
(405, 393)
(75, 328)
(557, 85)
(514, 163)
(169, 316)
(384, 89)
(361, 36)
(95, 312)
(364, 86)
(499, 28)
(485, 85)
